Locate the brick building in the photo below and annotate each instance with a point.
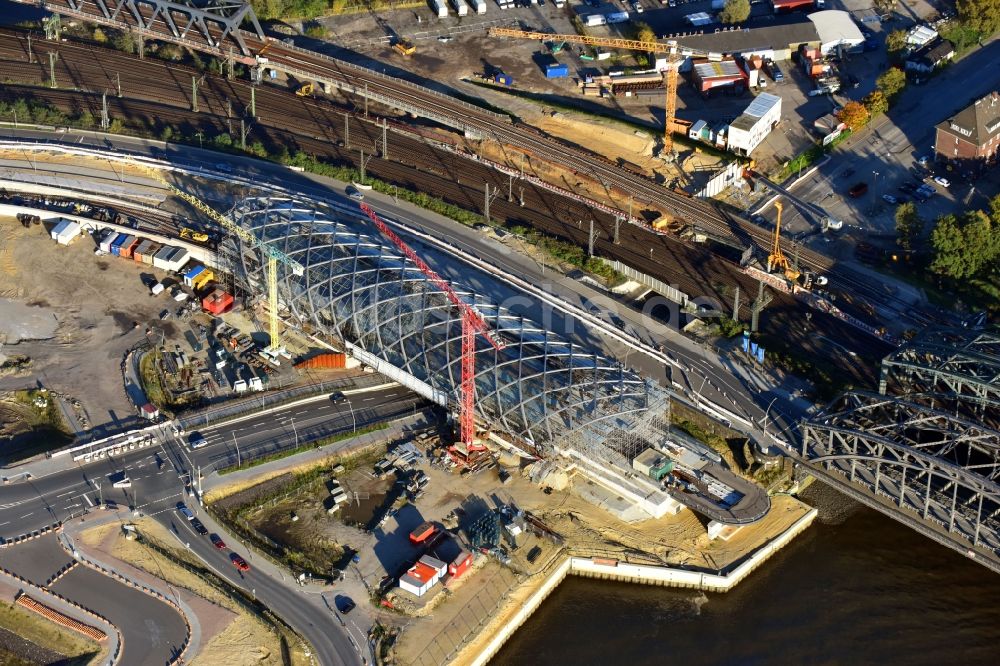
(969, 140)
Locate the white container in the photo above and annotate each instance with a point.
(480, 6)
(595, 19)
(440, 7)
(158, 289)
(461, 8)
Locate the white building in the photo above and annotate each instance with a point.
(423, 575)
(920, 36)
(440, 8)
(756, 122)
(65, 232)
(836, 28)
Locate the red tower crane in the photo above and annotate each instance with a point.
(472, 323)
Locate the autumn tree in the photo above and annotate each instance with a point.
(735, 11)
(876, 103)
(854, 115)
(909, 226)
(891, 83)
(895, 41)
(641, 32)
(983, 16)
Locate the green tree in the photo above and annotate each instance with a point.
(854, 115)
(909, 226)
(735, 11)
(983, 16)
(995, 209)
(891, 83)
(876, 103)
(895, 41)
(124, 41)
(980, 241)
(223, 140)
(85, 119)
(316, 30)
(948, 242)
(116, 126)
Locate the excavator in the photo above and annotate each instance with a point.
(192, 235)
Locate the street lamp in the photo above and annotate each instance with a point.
(239, 462)
(875, 183)
(354, 421)
(764, 422)
(295, 431)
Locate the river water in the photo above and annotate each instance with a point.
(855, 588)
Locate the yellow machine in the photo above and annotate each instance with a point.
(405, 47)
(192, 235)
(675, 54)
(777, 259)
(306, 90)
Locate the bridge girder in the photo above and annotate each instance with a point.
(201, 24)
(928, 464)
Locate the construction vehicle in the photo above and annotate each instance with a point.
(472, 323)
(675, 55)
(268, 252)
(192, 235)
(404, 47)
(305, 90)
(777, 259)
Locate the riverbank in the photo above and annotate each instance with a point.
(524, 600)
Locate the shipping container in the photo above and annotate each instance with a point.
(160, 258)
(556, 71)
(125, 249)
(158, 289)
(117, 243)
(217, 302)
(151, 251)
(109, 238)
(192, 274)
(503, 79)
(66, 231)
(461, 8)
(177, 257)
(440, 8)
(595, 20)
(325, 361)
(140, 249)
(479, 5)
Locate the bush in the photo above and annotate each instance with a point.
(316, 30)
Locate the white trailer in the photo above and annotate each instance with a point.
(461, 8)
(480, 6)
(440, 7)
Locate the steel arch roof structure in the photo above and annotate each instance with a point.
(362, 294)
(936, 472)
(958, 362)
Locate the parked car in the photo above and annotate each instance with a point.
(239, 562)
(355, 193)
(184, 511)
(199, 526)
(217, 541)
(942, 181)
(888, 198)
(858, 189)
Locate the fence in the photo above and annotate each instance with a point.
(730, 175)
(656, 285)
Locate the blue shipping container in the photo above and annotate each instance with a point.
(116, 246)
(556, 71)
(503, 79)
(192, 274)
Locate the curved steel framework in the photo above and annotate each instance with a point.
(195, 23)
(362, 294)
(928, 468)
(962, 364)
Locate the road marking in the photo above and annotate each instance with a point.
(68, 492)
(26, 515)
(367, 399)
(87, 497)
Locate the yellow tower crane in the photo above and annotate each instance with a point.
(273, 254)
(777, 259)
(675, 55)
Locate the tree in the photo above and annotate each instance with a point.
(641, 32)
(895, 41)
(884, 7)
(735, 11)
(891, 83)
(85, 119)
(876, 103)
(316, 30)
(983, 16)
(124, 41)
(100, 37)
(854, 115)
(909, 226)
(947, 241)
(995, 209)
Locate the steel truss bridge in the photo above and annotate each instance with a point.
(930, 457)
(359, 293)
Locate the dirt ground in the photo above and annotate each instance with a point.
(44, 634)
(230, 635)
(95, 301)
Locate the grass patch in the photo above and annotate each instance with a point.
(311, 446)
(151, 382)
(46, 634)
(568, 252)
(42, 409)
(810, 155)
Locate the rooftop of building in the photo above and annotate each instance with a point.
(722, 68)
(834, 25)
(934, 52)
(780, 34)
(979, 122)
(419, 574)
(758, 108)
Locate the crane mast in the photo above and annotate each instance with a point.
(472, 323)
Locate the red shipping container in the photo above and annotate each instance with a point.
(423, 533)
(325, 361)
(128, 248)
(217, 302)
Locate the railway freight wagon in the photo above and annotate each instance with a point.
(440, 8)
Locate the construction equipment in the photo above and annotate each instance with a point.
(472, 323)
(265, 48)
(675, 55)
(306, 90)
(405, 47)
(272, 254)
(192, 235)
(777, 259)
